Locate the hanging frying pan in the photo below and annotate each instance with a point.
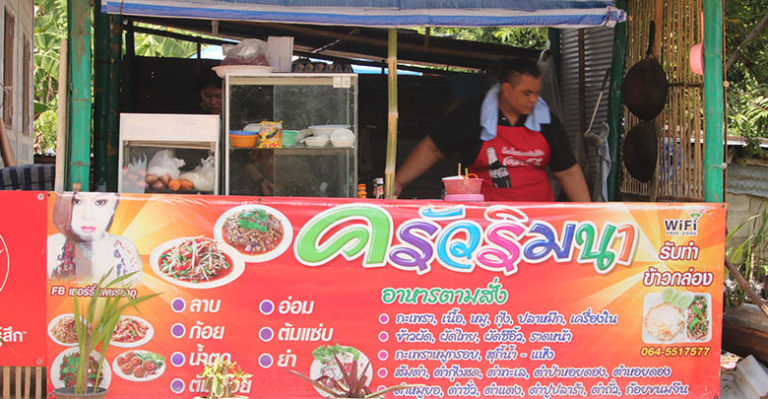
(645, 85)
(640, 151)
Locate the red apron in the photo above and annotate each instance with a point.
(525, 154)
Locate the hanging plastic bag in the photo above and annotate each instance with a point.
(162, 164)
(247, 52)
(134, 175)
(203, 177)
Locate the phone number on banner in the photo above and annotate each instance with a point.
(674, 351)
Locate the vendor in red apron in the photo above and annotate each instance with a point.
(508, 140)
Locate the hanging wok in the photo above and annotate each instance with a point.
(646, 85)
(640, 151)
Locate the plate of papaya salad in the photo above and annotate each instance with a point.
(195, 262)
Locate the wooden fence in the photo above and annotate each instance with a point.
(680, 126)
(23, 382)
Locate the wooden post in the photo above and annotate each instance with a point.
(581, 153)
(62, 115)
(616, 101)
(713, 101)
(18, 381)
(100, 93)
(6, 382)
(79, 132)
(113, 100)
(38, 382)
(392, 116)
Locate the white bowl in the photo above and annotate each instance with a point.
(325, 130)
(342, 138)
(316, 141)
(252, 127)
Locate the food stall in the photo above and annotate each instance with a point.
(451, 299)
(318, 111)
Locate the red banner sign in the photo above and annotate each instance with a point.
(459, 300)
(22, 278)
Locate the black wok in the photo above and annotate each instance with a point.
(645, 85)
(640, 151)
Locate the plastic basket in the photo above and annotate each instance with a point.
(463, 185)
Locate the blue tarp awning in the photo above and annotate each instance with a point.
(383, 13)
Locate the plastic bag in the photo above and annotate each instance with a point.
(270, 134)
(204, 175)
(247, 52)
(162, 163)
(134, 175)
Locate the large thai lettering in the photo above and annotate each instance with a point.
(601, 257)
(443, 213)
(415, 252)
(595, 246)
(357, 229)
(505, 212)
(546, 244)
(456, 244)
(503, 250)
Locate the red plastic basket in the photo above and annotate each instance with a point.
(463, 184)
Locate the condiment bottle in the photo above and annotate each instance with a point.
(378, 188)
(361, 191)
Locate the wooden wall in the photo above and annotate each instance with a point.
(16, 63)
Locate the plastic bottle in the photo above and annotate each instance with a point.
(361, 191)
(498, 172)
(378, 188)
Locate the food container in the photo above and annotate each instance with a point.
(316, 141)
(342, 138)
(290, 137)
(464, 197)
(325, 130)
(462, 184)
(243, 138)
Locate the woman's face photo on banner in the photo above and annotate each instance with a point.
(92, 215)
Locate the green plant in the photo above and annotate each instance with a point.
(95, 323)
(222, 377)
(353, 385)
(748, 254)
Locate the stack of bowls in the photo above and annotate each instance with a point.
(243, 138)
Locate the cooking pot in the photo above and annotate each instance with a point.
(640, 151)
(645, 85)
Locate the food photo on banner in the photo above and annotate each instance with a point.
(322, 297)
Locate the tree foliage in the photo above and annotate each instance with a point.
(748, 77)
(50, 30)
(535, 38)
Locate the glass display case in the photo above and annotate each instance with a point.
(169, 153)
(308, 106)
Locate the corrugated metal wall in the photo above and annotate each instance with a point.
(598, 53)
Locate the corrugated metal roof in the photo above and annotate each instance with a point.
(747, 179)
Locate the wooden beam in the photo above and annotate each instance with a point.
(392, 117)
(380, 42)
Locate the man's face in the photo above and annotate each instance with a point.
(210, 98)
(520, 96)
